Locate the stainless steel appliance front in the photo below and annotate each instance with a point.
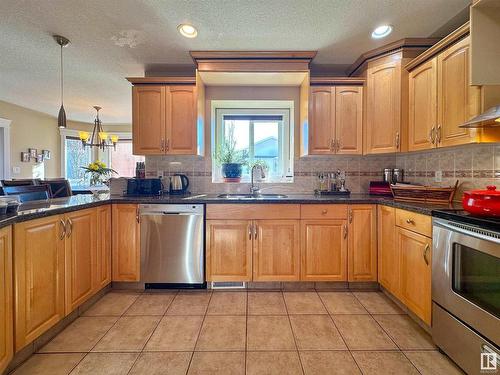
(172, 244)
(465, 291)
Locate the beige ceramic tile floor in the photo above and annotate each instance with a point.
(241, 333)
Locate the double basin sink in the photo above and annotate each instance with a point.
(251, 196)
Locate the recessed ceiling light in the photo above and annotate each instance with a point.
(381, 31)
(187, 30)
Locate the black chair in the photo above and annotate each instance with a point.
(59, 187)
(28, 193)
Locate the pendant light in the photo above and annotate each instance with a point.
(99, 137)
(61, 118)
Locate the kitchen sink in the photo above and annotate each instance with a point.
(252, 196)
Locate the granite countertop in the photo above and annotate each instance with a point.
(37, 209)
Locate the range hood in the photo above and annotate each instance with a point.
(489, 118)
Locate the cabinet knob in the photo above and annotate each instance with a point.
(410, 221)
(324, 212)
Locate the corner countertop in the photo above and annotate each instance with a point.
(37, 209)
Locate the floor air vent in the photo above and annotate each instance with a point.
(228, 285)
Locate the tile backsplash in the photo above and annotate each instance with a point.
(475, 166)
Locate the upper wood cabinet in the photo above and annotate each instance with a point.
(126, 251)
(6, 299)
(422, 124)
(415, 272)
(164, 119)
(103, 259)
(38, 277)
(458, 101)
(362, 242)
(80, 258)
(383, 107)
(324, 250)
(388, 252)
(276, 251)
(336, 120)
(229, 250)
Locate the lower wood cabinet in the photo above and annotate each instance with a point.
(362, 244)
(276, 250)
(103, 267)
(324, 250)
(229, 250)
(388, 251)
(415, 272)
(80, 257)
(38, 277)
(6, 308)
(126, 251)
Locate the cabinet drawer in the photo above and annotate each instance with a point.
(253, 211)
(323, 211)
(415, 222)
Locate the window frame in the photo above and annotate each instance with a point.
(284, 108)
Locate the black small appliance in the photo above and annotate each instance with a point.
(144, 186)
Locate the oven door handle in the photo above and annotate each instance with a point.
(481, 234)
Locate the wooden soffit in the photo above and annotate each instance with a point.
(336, 81)
(163, 80)
(444, 43)
(402, 44)
(252, 61)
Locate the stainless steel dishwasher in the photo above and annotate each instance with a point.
(172, 245)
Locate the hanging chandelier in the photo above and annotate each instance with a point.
(99, 138)
(61, 118)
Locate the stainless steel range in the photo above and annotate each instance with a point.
(466, 290)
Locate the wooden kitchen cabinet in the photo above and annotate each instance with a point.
(388, 251)
(229, 250)
(349, 120)
(276, 250)
(415, 272)
(38, 277)
(324, 250)
(103, 258)
(336, 120)
(148, 119)
(458, 101)
(383, 110)
(164, 119)
(80, 257)
(126, 251)
(422, 123)
(362, 242)
(6, 299)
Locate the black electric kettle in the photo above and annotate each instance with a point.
(179, 184)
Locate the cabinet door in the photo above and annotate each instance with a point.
(457, 100)
(103, 258)
(388, 253)
(80, 259)
(321, 120)
(181, 120)
(126, 251)
(383, 108)
(6, 299)
(423, 106)
(362, 248)
(349, 119)
(148, 119)
(276, 254)
(38, 277)
(415, 264)
(324, 250)
(229, 250)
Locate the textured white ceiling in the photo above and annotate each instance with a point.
(112, 39)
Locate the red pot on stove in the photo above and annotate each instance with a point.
(482, 202)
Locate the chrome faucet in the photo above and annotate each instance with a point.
(255, 190)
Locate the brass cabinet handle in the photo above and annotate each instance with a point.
(332, 145)
(345, 231)
(168, 144)
(137, 216)
(426, 250)
(397, 140)
(250, 232)
(339, 145)
(69, 226)
(438, 134)
(255, 231)
(432, 136)
(410, 221)
(162, 145)
(62, 229)
(349, 214)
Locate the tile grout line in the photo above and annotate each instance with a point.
(340, 333)
(293, 333)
